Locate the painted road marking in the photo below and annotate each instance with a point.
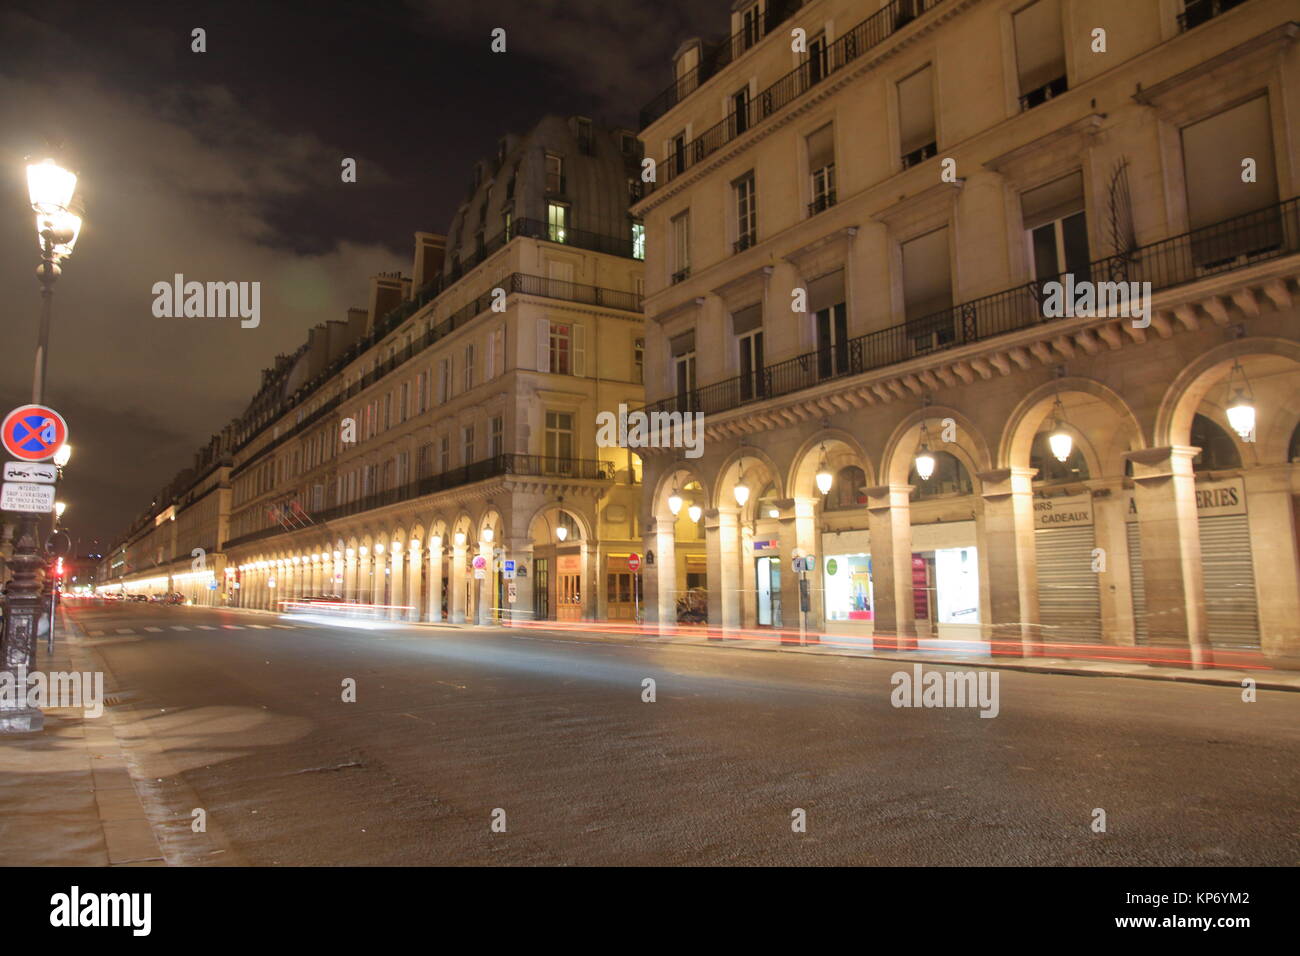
(206, 627)
(233, 627)
(179, 627)
(284, 627)
(260, 627)
(125, 630)
(154, 630)
(94, 633)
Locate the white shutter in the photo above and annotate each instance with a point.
(579, 350)
(1069, 603)
(490, 358)
(1137, 581)
(543, 345)
(500, 349)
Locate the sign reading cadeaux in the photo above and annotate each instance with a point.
(33, 432)
(1068, 511)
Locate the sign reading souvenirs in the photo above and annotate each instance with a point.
(1068, 511)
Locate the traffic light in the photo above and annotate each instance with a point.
(58, 567)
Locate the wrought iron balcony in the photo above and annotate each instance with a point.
(1268, 233)
(1196, 12)
(821, 203)
(918, 156)
(871, 32)
(1042, 94)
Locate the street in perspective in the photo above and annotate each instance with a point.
(817, 433)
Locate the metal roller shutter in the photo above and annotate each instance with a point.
(1069, 603)
(1137, 581)
(1230, 604)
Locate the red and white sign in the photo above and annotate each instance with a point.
(634, 562)
(33, 432)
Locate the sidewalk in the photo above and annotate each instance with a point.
(66, 796)
(944, 652)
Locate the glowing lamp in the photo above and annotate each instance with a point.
(694, 511)
(50, 186)
(675, 503)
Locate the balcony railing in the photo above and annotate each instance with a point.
(823, 202)
(714, 57)
(869, 33)
(1258, 236)
(1042, 94)
(538, 466)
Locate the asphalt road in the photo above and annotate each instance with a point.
(241, 714)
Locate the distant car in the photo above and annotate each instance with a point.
(144, 598)
(176, 597)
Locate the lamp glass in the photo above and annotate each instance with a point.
(460, 539)
(1241, 415)
(1061, 443)
(694, 511)
(824, 480)
(741, 491)
(488, 535)
(924, 464)
(675, 504)
(50, 186)
(63, 455)
(561, 532)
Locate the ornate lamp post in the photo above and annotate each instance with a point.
(50, 187)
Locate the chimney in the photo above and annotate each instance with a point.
(357, 323)
(385, 295)
(430, 251)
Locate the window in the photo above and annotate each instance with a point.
(565, 348)
(746, 212)
(404, 404)
(1050, 468)
(638, 360)
(740, 110)
(681, 246)
(821, 166)
(467, 444)
(424, 461)
(554, 173)
(677, 154)
(469, 368)
(1057, 229)
(826, 301)
(949, 478)
(927, 290)
(444, 453)
(507, 220)
(747, 324)
(1040, 52)
(496, 445)
(627, 143)
(846, 492)
(444, 381)
(816, 58)
(683, 349)
(585, 144)
(1196, 12)
(559, 438)
(557, 222)
(638, 240)
(916, 134)
(750, 27)
(494, 357)
(1212, 153)
(1218, 452)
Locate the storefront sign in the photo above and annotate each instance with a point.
(1065, 512)
(1213, 498)
(765, 546)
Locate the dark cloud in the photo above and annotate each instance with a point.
(225, 166)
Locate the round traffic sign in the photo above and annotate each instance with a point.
(634, 562)
(33, 432)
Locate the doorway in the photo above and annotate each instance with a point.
(767, 579)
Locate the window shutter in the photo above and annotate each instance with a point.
(1212, 154)
(684, 343)
(747, 319)
(490, 358)
(916, 111)
(1040, 44)
(1055, 200)
(579, 350)
(826, 291)
(543, 345)
(821, 148)
(501, 351)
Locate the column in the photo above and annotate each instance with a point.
(397, 589)
(456, 590)
(486, 586)
(350, 577)
(722, 541)
(585, 565)
(661, 579)
(889, 520)
(1271, 517)
(433, 611)
(1114, 581)
(1007, 537)
(1164, 496)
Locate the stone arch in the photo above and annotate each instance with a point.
(971, 448)
(1027, 418)
(842, 449)
(729, 474)
(542, 522)
(677, 475)
(1268, 357)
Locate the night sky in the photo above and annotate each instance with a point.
(225, 165)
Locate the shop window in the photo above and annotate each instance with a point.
(1218, 450)
(1050, 469)
(949, 478)
(846, 492)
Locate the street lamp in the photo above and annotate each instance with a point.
(1060, 440)
(1241, 406)
(694, 511)
(924, 460)
(63, 455)
(50, 190)
(824, 478)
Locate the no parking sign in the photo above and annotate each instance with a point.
(33, 432)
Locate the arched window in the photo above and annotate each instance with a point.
(1050, 469)
(846, 492)
(949, 478)
(1218, 450)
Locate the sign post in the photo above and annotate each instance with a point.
(634, 565)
